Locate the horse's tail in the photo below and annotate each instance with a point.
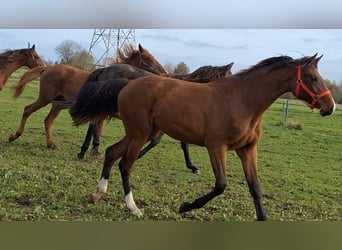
(96, 101)
(29, 75)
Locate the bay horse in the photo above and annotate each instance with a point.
(201, 75)
(12, 60)
(63, 82)
(221, 115)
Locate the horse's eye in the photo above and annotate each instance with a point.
(313, 78)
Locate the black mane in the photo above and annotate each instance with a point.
(273, 63)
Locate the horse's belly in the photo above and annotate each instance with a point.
(181, 128)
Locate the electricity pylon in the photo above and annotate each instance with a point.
(105, 43)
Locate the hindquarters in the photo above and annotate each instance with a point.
(97, 100)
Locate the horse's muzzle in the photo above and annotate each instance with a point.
(326, 112)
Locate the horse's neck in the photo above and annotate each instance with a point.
(7, 70)
(264, 89)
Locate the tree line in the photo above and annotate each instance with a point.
(71, 53)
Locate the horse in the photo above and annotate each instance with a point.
(206, 73)
(222, 115)
(201, 75)
(12, 60)
(63, 82)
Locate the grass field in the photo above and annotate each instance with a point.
(299, 167)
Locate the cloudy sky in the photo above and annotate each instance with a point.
(198, 47)
(197, 32)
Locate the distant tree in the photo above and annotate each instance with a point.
(82, 60)
(170, 67)
(336, 90)
(49, 62)
(71, 53)
(181, 68)
(111, 61)
(67, 50)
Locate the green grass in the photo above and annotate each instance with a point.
(299, 169)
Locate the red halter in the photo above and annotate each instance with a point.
(302, 85)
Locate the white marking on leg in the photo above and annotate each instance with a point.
(103, 185)
(101, 190)
(131, 204)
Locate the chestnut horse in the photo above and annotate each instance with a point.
(201, 75)
(221, 115)
(63, 82)
(12, 60)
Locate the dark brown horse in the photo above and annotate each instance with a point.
(12, 60)
(222, 115)
(206, 74)
(201, 75)
(64, 82)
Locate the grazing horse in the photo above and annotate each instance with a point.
(11, 60)
(221, 115)
(201, 75)
(63, 82)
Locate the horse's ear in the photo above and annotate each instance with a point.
(310, 60)
(141, 49)
(314, 60)
(33, 47)
(229, 66)
(318, 59)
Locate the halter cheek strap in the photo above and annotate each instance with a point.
(301, 84)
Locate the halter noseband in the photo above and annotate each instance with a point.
(301, 84)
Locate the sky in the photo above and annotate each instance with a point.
(199, 47)
(196, 32)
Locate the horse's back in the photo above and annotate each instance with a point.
(62, 79)
(173, 106)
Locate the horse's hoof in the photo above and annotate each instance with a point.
(185, 207)
(136, 212)
(52, 146)
(195, 170)
(95, 153)
(93, 198)
(80, 156)
(11, 138)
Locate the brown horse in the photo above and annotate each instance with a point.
(64, 82)
(222, 115)
(201, 75)
(12, 60)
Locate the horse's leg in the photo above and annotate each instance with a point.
(152, 144)
(50, 118)
(217, 156)
(96, 131)
(248, 156)
(86, 142)
(113, 153)
(189, 165)
(126, 166)
(28, 110)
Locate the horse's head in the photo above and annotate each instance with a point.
(149, 63)
(311, 88)
(32, 58)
